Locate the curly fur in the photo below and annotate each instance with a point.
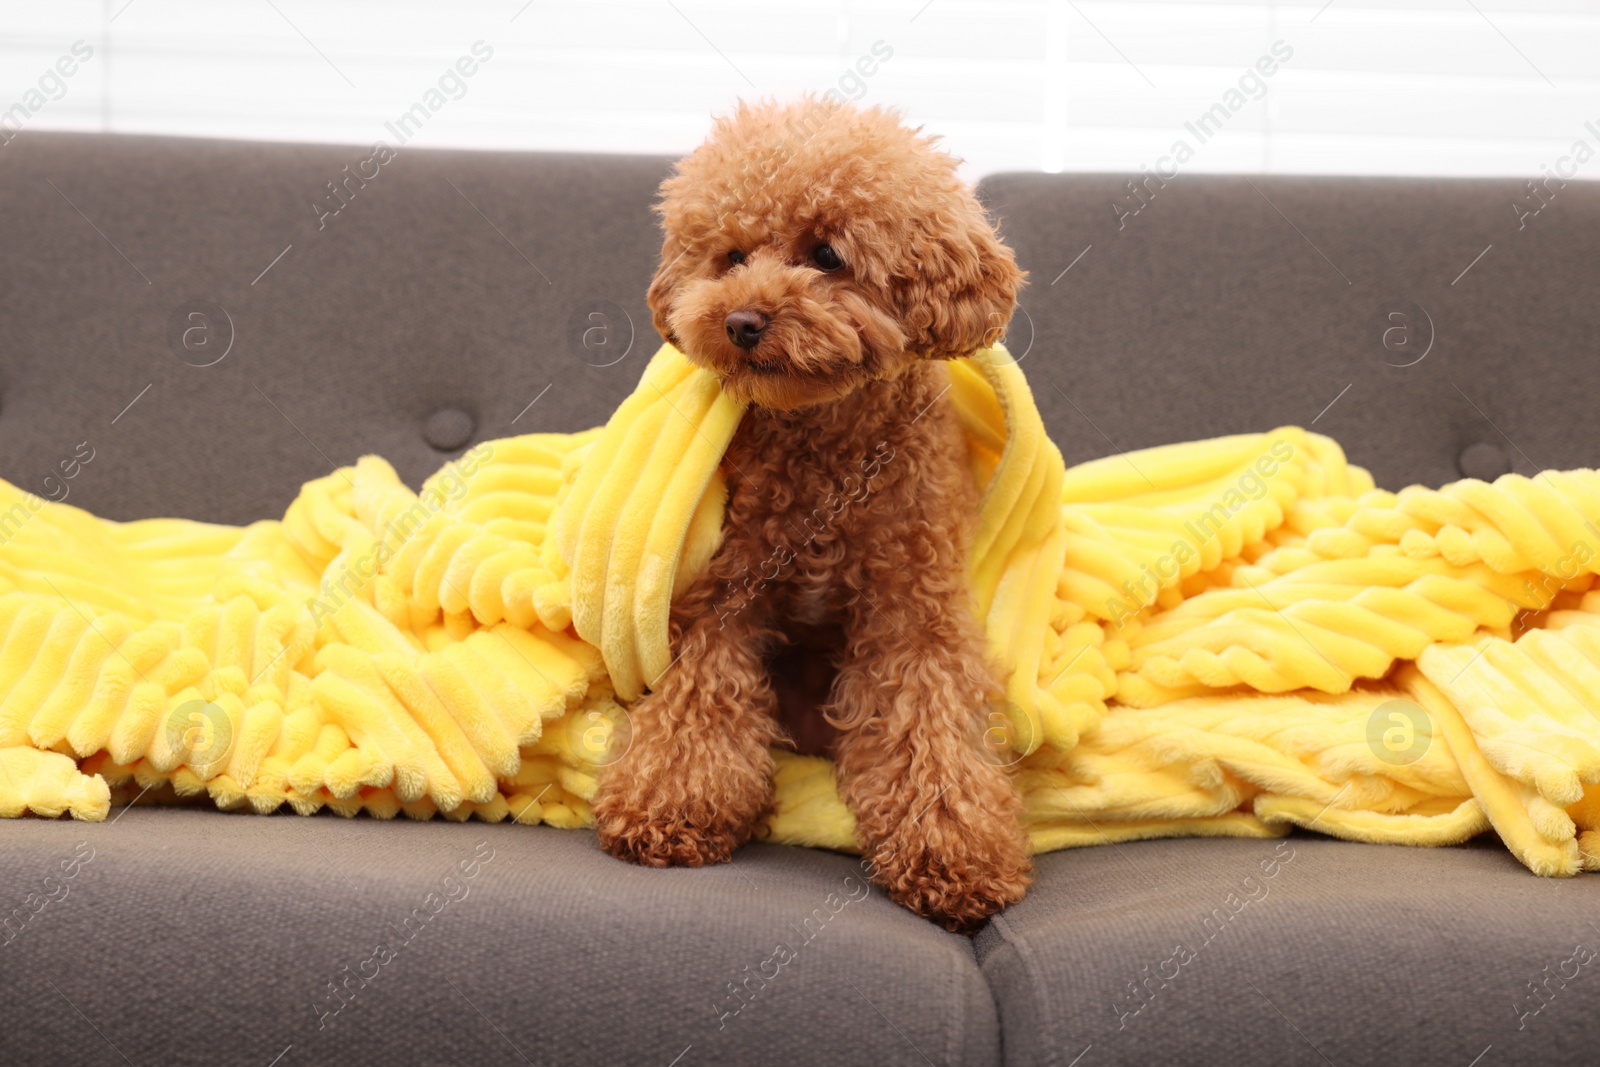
(845, 538)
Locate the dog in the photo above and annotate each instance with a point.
(823, 261)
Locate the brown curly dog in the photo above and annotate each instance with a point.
(822, 260)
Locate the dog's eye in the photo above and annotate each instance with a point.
(736, 257)
(826, 258)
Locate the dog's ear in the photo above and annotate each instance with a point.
(669, 276)
(962, 284)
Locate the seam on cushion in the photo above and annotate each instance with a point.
(952, 1048)
(986, 990)
(1030, 965)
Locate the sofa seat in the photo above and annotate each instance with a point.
(1303, 950)
(184, 937)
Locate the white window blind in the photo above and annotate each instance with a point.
(1355, 86)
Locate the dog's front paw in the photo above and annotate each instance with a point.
(690, 787)
(955, 874)
(665, 839)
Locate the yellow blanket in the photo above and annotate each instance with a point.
(1220, 638)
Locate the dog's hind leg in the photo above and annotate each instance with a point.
(698, 772)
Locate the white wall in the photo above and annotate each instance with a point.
(1440, 87)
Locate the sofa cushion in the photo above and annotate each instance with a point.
(1303, 950)
(1356, 306)
(193, 937)
(199, 316)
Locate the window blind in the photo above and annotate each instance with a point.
(1345, 86)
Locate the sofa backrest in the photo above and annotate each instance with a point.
(220, 321)
(1434, 327)
(436, 296)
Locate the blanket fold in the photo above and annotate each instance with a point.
(1222, 638)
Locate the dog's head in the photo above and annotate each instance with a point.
(815, 246)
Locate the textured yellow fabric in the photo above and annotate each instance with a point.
(1223, 638)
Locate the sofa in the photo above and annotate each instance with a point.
(216, 322)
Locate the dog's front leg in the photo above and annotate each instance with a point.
(698, 772)
(936, 817)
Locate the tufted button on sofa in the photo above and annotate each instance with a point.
(183, 309)
(1483, 461)
(448, 429)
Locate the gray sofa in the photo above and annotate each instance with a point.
(451, 291)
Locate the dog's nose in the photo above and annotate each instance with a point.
(745, 327)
